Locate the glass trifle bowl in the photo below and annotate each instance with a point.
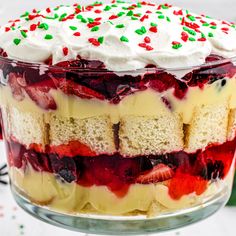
(99, 149)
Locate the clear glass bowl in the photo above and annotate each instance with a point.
(128, 153)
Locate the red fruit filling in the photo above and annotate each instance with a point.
(90, 79)
(184, 173)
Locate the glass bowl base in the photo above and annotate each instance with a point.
(124, 225)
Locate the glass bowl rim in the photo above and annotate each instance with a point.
(97, 70)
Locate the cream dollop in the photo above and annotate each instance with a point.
(123, 36)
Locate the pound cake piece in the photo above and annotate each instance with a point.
(141, 135)
(232, 125)
(95, 132)
(209, 124)
(28, 127)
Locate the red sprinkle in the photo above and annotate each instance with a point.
(98, 18)
(33, 27)
(225, 29)
(149, 48)
(202, 39)
(94, 42)
(76, 34)
(97, 11)
(184, 36)
(143, 18)
(148, 12)
(113, 17)
(7, 29)
(65, 51)
(153, 29)
(89, 8)
(95, 23)
(175, 43)
(48, 10)
(147, 39)
(178, 13)
(34, 11)
(142, 45)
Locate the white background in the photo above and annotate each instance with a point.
(12, 218)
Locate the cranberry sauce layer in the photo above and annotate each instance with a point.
(187, 173)
(89, 79)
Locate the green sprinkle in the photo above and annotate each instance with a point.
(57, 8)
(111, 22)
(192, 39)
(43, 26)
(208, 17)
(124, 39)
(107, 8)
(17, 41)
(13, 28)
(120, 26)
(101, 39)
(95, 28)
(121, 13)
(134, 18)
(164, 7)
(143, 29)
(79, 16)
(213, 27)
(177, 46)
(153, 24)
(62, 16)
(118, 1)
(130, 13)
(161, 17)
(90, 20)
(27, 19)
(79, 7)
(125, 8)
(83, 20)
(192, 32)
(205, 24)
(73, 27)
(139, 5)
(210, 35)
(192, 18)
(159, 12)
(187, 12)
(168, 19)
(24, 35)
(114, 5)
(48, 37)
(203, 35)
(25, 14)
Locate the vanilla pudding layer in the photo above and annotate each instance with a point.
(146, 124)
(45, 189)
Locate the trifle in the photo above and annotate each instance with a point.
(117, 112)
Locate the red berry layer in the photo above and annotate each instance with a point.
(185, 173)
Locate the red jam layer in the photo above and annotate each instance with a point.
(89, 79)
(186, 173)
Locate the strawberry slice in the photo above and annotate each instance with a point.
(16, 89)
(41, 98)
(159, 173)
(70, 87)
(184, 184)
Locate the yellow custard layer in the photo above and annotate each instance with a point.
(45, 189)
(143, 103)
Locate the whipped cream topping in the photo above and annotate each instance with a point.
(123, 36)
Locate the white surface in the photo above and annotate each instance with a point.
(12, 218)
(216, 8)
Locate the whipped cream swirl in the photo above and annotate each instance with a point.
(123, 36)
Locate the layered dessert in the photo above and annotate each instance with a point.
(119, 109)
